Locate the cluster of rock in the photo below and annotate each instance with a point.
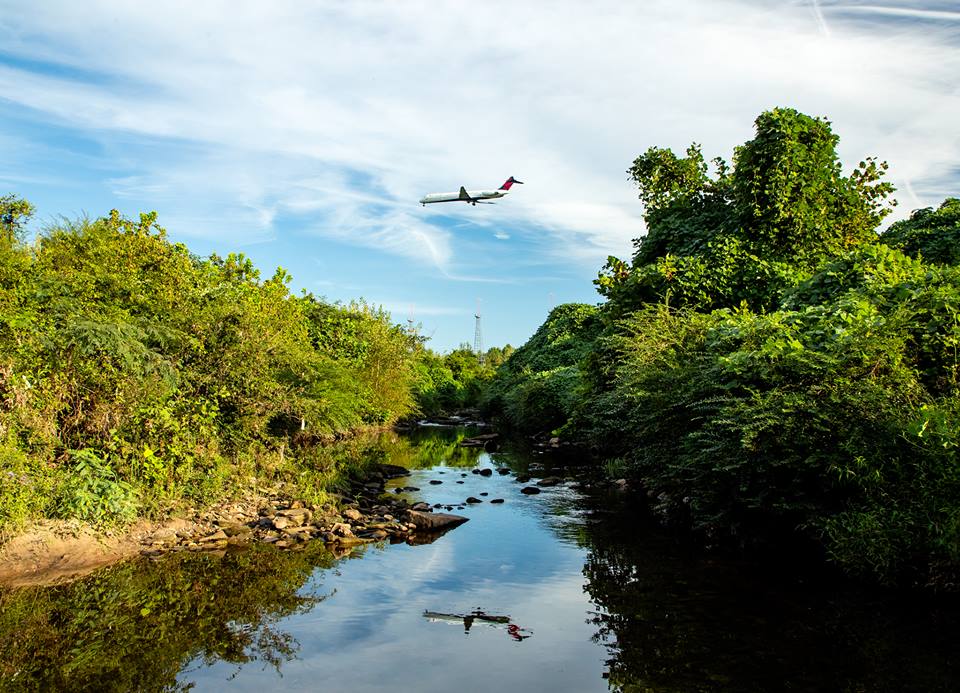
(367, 516)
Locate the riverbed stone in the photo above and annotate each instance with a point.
(164, 535)
(472, 500)
(486, 472)
(530, 490)
(503, 470)
(432, 522)
(352, 514)
(235, 530)
(341, 529)
(497, 500)
(392, 471)
(550, 481)
(296, 516)
(523, 479)
(435, 481)
(352, 540)
(219, 535)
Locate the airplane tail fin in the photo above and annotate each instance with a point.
(510, 181)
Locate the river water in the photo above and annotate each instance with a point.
(587, 597)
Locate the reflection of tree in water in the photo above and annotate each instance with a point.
(135, 625)
(423, 448)
(676, 624)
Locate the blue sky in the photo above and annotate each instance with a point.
(302, 134)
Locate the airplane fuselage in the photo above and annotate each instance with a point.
(470, 196)
(455, 196)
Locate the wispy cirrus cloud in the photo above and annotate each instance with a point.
(242, 121)
(414, 97)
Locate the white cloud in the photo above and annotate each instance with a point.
(345, 113)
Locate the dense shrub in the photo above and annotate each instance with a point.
(932, 234)
(536, 389)
(769, 369)
(134, 374)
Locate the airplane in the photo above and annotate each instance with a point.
(471, 196)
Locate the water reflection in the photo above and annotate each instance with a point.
(134, 626)
(610, 603)
(678, 622)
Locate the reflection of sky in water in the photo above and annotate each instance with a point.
(636, 606)
(371, 633)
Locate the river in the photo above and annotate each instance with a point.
(567, 590)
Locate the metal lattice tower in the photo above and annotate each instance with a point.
(478, 336)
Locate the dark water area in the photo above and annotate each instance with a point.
(590, 598)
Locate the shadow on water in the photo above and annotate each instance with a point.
(673, 619)
(664, 619)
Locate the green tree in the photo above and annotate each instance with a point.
(747, 233)
(15, 212)
(932, 234)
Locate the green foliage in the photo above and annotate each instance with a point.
(810, 420)
(685, 208)
(92, 491)
(767, 368)
(536, 388)
(379, 358)
(136, 625)
(932, 234)
(15, 212)
(457, 380)
(724, 274)
(175, 372)
(24, 488)
(750, 232)
(791, 199)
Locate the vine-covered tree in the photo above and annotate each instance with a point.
(747, 232)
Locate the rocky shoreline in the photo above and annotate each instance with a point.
(60, 551)
(57, 551)
(367, 515)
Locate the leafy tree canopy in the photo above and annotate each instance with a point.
(745, 233)
(932, 234)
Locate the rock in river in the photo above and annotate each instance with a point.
(432, 522)
(530, 490)
(393, 471)
(471, 499)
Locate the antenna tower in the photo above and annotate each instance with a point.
(478, 336)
